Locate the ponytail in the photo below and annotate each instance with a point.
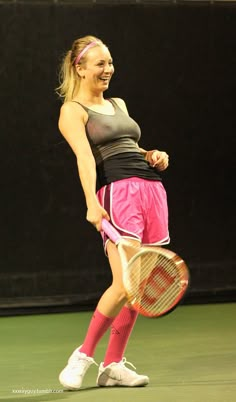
(68, 79)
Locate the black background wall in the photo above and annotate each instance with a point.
(175, 67)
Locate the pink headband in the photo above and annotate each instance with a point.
(85, 49)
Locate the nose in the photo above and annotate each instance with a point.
(108, 68)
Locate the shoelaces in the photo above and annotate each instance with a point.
(80, 363)
(124, 361)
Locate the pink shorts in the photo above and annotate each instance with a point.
(137, 209)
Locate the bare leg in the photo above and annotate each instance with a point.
(122, 326)
(114, 298)
(109, 305)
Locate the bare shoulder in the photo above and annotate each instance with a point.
(72, 109)
(72, 119)
(121, 103)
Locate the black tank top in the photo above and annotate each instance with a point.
(114, 143)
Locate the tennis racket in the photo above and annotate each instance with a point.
(155, 279)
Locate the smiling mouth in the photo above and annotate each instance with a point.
(105, 79)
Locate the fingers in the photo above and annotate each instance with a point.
(160, 160)
(104, 216)
(149, 156)
(95, 218)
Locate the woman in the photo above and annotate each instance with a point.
(121, 183)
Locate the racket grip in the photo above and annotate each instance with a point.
(110, 231)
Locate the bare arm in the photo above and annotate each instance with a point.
(72, 122)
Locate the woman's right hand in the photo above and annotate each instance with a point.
(95, 214)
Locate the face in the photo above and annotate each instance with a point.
(98, 68)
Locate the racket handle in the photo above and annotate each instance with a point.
(110, 231)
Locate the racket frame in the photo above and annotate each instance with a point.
(178, 262)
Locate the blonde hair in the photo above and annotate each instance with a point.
(69, 79)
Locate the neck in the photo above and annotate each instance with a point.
(90, 98)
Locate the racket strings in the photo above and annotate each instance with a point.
(168, 281)
(162, 286)
(155, 282)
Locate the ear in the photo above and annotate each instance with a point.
(80, 70)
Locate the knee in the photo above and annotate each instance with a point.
(119, 293)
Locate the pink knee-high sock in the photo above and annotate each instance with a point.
(97, 328)
(120, 332)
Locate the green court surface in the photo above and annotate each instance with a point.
(189, 355)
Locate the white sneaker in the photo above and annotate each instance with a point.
(117, 374)
(72, 375)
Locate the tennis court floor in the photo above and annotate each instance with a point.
(189, 355)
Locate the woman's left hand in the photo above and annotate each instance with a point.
(158, 159)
